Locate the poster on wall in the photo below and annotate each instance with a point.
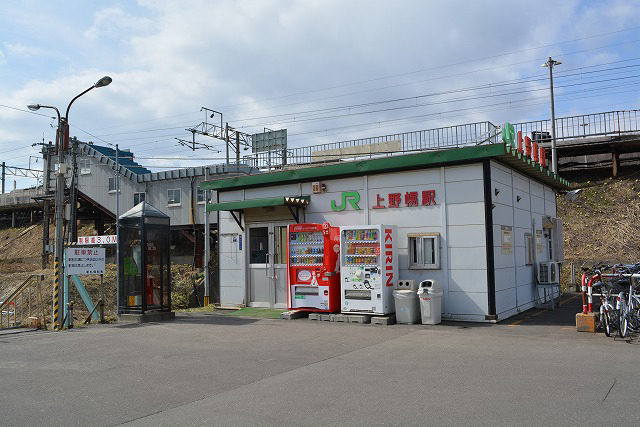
(507, 240)
(539, 241)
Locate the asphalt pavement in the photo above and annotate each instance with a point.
(207, 369)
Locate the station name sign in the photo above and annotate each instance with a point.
(110, 239)
(525, 146)
(388, 200)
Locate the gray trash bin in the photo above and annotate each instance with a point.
(430, 296)
(407, 306)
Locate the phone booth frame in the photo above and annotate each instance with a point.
(144, 261)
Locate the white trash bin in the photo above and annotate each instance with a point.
(430, 294)
(407, 306)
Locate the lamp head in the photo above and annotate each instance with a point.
(103, 81)
(33, 107)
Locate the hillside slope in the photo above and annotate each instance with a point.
(603, 224)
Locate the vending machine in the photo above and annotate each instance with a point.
(313, 267)
(368, 268)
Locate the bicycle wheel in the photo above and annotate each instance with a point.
(623, 319)
(606, 322)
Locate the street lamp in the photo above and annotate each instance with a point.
(62, 142)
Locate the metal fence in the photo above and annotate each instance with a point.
(379, 146)
(609, 123)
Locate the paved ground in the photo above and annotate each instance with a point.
(219, 370)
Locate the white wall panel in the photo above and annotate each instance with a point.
(464, 214)
(505, 301)
(500, 173)
(421, 215)
(537, 189)
(465, 192)
(502, 215)
(461, 303)
(505, 194)
(505, 278)
(467, 258)
(468, 281)
(426, 177)
(537, 205)
(463, 173)
(467, 236)
(524, 275)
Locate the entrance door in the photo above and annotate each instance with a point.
(268, 265)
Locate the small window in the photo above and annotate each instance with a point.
(85, 166)
(112, 184)
(173, 197)
(528, 249)
(139, 198)
(424, 251)
(200, 195)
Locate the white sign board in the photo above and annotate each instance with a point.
(85, 261)
(98, 240)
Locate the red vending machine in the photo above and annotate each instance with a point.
(313, 267)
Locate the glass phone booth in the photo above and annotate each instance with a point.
(145, 275)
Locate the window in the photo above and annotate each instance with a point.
(112, 184)
(173, 197)
(424, 251)
(139, 198)
(528, 249)
(200, 195)
(85, 166)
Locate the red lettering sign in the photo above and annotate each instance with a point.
(379, 200)
(428, 197)
(411, 198)
(520, 141)
(388, 237)
(394, 200)
(543, 157)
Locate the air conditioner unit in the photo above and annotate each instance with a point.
(548, 272)
(406, 285)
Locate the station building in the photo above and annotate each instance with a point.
(478, 219)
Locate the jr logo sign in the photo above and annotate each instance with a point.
(352, 197)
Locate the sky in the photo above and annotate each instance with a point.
(325, 70)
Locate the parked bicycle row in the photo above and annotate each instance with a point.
(617, 287)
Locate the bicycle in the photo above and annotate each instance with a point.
(608, 311)
(629, 311)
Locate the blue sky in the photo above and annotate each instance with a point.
(327, 71)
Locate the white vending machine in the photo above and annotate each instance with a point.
(368, 268)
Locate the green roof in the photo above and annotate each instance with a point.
(500, 152)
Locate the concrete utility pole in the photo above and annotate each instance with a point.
(207, 244)
(554, 155)
(47, 151)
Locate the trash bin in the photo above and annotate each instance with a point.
(407, 306)
(430, 297)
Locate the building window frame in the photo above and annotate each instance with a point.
(174, 197)
(424, 251)
(139, 199)
(112, 184)
(85, 166)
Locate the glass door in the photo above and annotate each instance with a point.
(267, 265)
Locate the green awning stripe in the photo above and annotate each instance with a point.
(260, 203)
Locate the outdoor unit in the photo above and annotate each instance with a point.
(548, 272)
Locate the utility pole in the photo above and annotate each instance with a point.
(207, 244)
(117, 178)
(47, 151)
(73, 194)
(3, 176)
(554, 155)
(59, 248)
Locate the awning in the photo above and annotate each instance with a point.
(294, 201)
(291, 202)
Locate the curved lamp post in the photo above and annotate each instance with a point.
(62, 143)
